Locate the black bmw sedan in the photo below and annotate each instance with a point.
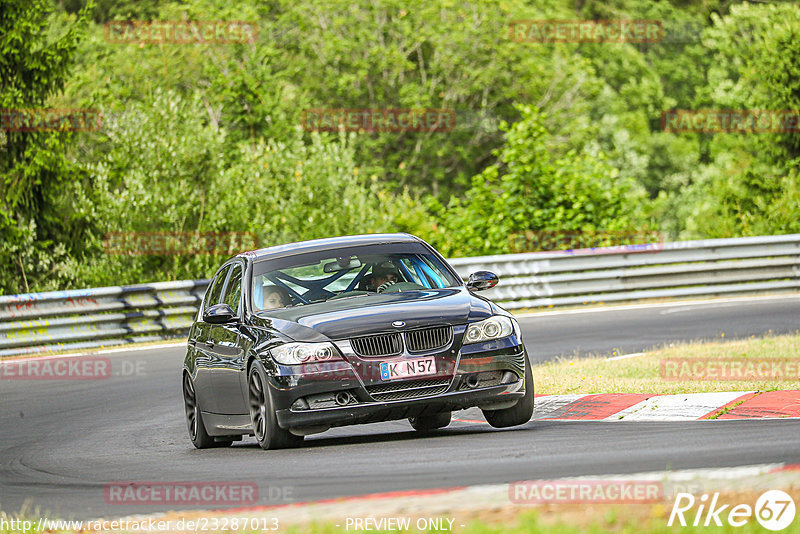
(294, 339)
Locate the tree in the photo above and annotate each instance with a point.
(537, 186)
(751, 185)
(36, 53)
(166, 165)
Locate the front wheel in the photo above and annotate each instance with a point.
(521, 412)
(194, 418)
(265, 424)
(423, 423)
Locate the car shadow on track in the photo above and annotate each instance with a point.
(388, 436)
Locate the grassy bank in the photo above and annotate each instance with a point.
(646, 373)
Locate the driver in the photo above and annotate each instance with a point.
(384, 275)
(275, 297)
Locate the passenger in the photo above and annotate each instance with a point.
(275, 297)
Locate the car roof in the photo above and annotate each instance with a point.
(328, 243)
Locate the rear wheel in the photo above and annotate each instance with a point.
(423, 423)
(265, 424)
(521, 412)
(194, 418)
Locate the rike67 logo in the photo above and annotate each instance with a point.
(774, 510)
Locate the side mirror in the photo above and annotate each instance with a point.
(480, 280)
(219, 314)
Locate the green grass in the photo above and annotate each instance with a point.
(642, 374)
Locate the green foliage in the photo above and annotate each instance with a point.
(207, 137)
(419, 54)
(292, 190)
(534, 186)
(750, 186)
(151, 171)
(105, 10)
(36, 52)
(160, 168)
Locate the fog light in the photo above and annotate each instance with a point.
(300, 404)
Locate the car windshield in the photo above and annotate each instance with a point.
(347, 272)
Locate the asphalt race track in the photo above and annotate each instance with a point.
(61, 442)
(635, 328)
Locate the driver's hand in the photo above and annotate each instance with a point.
(385, 285)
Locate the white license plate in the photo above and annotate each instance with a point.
(406, 368)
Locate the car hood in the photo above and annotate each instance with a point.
(374, 313)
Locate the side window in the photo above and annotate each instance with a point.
(215, 290)
(233, 291)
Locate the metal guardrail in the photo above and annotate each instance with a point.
(38, 322)
(60, 320)
(706, 267)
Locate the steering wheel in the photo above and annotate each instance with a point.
(385, 285)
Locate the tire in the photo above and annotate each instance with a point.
(521, 412)
(265, 424)
(194, 418)
(424, 423)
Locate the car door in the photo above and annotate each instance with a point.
(202, 341)
(228, 350)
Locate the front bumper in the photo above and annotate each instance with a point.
(488, 375)
(388, 411)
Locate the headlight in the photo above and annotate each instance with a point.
(491, 328)
(298, 353)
